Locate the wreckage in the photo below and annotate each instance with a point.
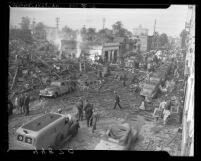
(118, 137)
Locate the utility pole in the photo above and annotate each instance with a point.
(103, 23)
(57, 21)
(154, 36)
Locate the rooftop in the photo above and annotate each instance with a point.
(41, 122)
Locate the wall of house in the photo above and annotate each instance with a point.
(187, 147)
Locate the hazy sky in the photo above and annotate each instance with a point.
(170, 21)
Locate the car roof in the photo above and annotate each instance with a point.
(41, 122)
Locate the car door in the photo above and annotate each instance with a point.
(65, 87)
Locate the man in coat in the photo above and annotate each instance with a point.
(80, 109)
(26, 104)
(117, 100)
(21, 104)
(88, 113)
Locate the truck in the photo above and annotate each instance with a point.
(48, 131)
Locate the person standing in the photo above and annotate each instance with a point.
(95, 119)
(10, 107)
(80, 109)
(21, 103)
(117, 100)
(17, 104)
(88, 112)
(26, 104)
(166, 112)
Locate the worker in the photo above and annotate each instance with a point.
(88, 112)
(95, 118)
(117, 100)
(21, 103)
(26, 104)
(10, 107)
(166, 112)
(80, 109)
(17, 104)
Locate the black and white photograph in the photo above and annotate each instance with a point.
(117, 79)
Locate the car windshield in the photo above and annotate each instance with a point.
(55, 84)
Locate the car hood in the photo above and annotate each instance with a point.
(50, 88)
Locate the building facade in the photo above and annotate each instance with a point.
(114, 52)
(187, 147)
(111, 52)
(69, 48)
(142, 35)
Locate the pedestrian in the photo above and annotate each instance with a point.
(95, 119)
(10, 107)
(166, 112)
(117, 100)
(142, 106)
(80, 109)
(17, 104)
(88, 112)
(21, 103)
(26, 104)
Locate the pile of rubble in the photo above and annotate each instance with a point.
(30, 68)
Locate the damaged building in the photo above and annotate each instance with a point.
(113, 52)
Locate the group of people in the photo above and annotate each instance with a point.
(85, 108)
(22, 104)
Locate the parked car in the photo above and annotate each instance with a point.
(48, 131)
(57, 88)
(118, 137)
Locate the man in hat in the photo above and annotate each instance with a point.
(80, 109)
(21, 104)
(26, 104)
(117, 100)
(88, 112)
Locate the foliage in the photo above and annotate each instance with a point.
(20, 34)
(25, 23)
(68, 33)
(163, 39)
(40, 31)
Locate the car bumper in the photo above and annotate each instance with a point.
(45, 95)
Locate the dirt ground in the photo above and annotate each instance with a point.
(153, 136)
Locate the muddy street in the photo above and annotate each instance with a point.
(103, 100)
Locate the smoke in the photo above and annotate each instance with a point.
(57, 42)
(79, 42)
